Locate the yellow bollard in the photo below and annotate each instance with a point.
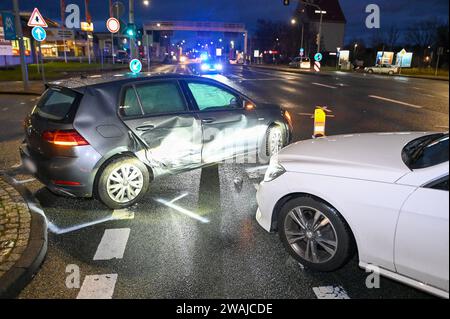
(319, 122)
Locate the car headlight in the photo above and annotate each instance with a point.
(274, 170)
(205, 67)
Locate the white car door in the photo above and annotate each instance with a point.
(422, 237)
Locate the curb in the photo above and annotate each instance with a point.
(23, 271)
(20, 93)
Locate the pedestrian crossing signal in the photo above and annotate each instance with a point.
(286, 2)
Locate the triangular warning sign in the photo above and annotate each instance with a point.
(36, 19)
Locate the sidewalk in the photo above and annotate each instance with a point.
(16, 87)
(23, 239)
(325, 72)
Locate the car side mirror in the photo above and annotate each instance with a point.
(249, 106)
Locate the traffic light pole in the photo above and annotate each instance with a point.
(18, 24)
(131, 21)
(319, 35)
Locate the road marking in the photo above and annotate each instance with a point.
(113, 244)
(179, 197)
(183, 211)
(5, 109)
(330, 292)
(98, 287)
(20, 182)
(395, 101)
(324, 85)
(122, 214)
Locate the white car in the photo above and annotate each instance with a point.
(383, 69)
(300, 63)
(384, 196)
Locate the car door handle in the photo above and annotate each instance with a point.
(145, 128)
(208, 121)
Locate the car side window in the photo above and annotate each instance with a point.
(213, 97)
(130, 105)
(441, 184)
(160, 97)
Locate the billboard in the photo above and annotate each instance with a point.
(384, 57)
(344, 56)
(404, 59)
(5, 45)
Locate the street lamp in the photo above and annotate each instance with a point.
(293, 22)
(146, 3)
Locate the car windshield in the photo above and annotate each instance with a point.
(426, 151)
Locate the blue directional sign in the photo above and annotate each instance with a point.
(39, 33)
(135, 66)
(9, 26)
(318, 57)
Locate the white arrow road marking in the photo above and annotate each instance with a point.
(116, 215)
(330, 292)
(182, 210)
(395, 101)
(324, 85)
(113, 244)
(98, 287)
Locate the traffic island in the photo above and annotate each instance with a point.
(23, 238)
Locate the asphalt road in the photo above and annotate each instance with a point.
(194, 235)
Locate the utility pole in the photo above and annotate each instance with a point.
(111, 14)
(63, 12)
(21, 44)
(88, 20)
(131, 21)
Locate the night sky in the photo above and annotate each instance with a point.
(403, 13)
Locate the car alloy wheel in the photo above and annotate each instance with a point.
(315, 233)
(274, 140)
(125, 183)
(311, 234)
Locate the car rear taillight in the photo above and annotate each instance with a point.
(64, 138)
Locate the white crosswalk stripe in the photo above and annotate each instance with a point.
(98, 287)
(113, 244)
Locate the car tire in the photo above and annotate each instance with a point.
(111, 184)
(274, 140)
(370, 71)
(330, 246)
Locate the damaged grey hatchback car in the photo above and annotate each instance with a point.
(109, 137)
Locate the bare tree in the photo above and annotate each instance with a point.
(423, 33)
(391, 36)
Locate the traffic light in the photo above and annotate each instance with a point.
(286, 2)
(131, 30)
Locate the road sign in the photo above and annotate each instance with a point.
(39, 33)
(135, 66)
(402, 52)
(36, 19)
(318, 57)
(9, 26)
(317, 66)
(113, 25)
(302, 52)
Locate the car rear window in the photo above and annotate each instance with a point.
(56, 104)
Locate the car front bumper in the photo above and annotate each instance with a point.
(80, 169)
(267, 196)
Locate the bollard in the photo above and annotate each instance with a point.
(319, 122)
